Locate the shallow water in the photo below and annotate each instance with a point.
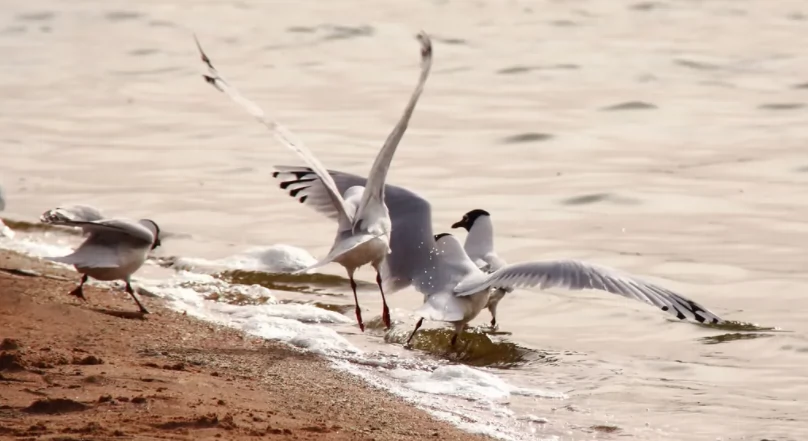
(663, 138)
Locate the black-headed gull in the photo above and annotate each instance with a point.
(479, 245)
(114, 250)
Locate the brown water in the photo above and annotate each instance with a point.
(673, 149)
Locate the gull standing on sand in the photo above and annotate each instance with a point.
(364, 226)
(479, 246)
(114, 249)
(455, 290)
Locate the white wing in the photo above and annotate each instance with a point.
(576, 275)
(411, 215)
(378, 172)
(281, 134)
(92, 255)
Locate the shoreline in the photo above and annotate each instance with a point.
(95, 370)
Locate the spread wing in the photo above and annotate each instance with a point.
(577, 275)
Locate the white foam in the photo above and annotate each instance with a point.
(277, 258)
(466, 382)
(206, 284)
(534, 419)
(33, 248)
(291, 323)
(485, 418)
(5, 231)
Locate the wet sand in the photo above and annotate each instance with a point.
(98, 370)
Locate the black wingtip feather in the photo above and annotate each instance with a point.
(285, 185)
(295, 191)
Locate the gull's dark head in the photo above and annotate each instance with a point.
(152, 226)
(469, 218)
(438, 236)
(449, 247)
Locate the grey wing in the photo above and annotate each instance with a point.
(73, 213)
(114, 230)
(411, 216)
(577, 275)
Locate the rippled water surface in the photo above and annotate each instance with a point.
(666, 138)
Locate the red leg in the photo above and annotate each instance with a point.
(385, 309)
(356, 301)
(417, 325)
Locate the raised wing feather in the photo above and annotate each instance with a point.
(411, 216)
(577, 275)
(378, 172)
(281, 134)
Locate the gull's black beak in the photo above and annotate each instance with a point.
(157, 243)
(458, 224)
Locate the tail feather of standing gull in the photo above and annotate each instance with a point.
(455, 289)
(114, 250)
(479, 246)
(363, 234)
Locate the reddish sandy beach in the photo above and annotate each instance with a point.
(73, 370)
